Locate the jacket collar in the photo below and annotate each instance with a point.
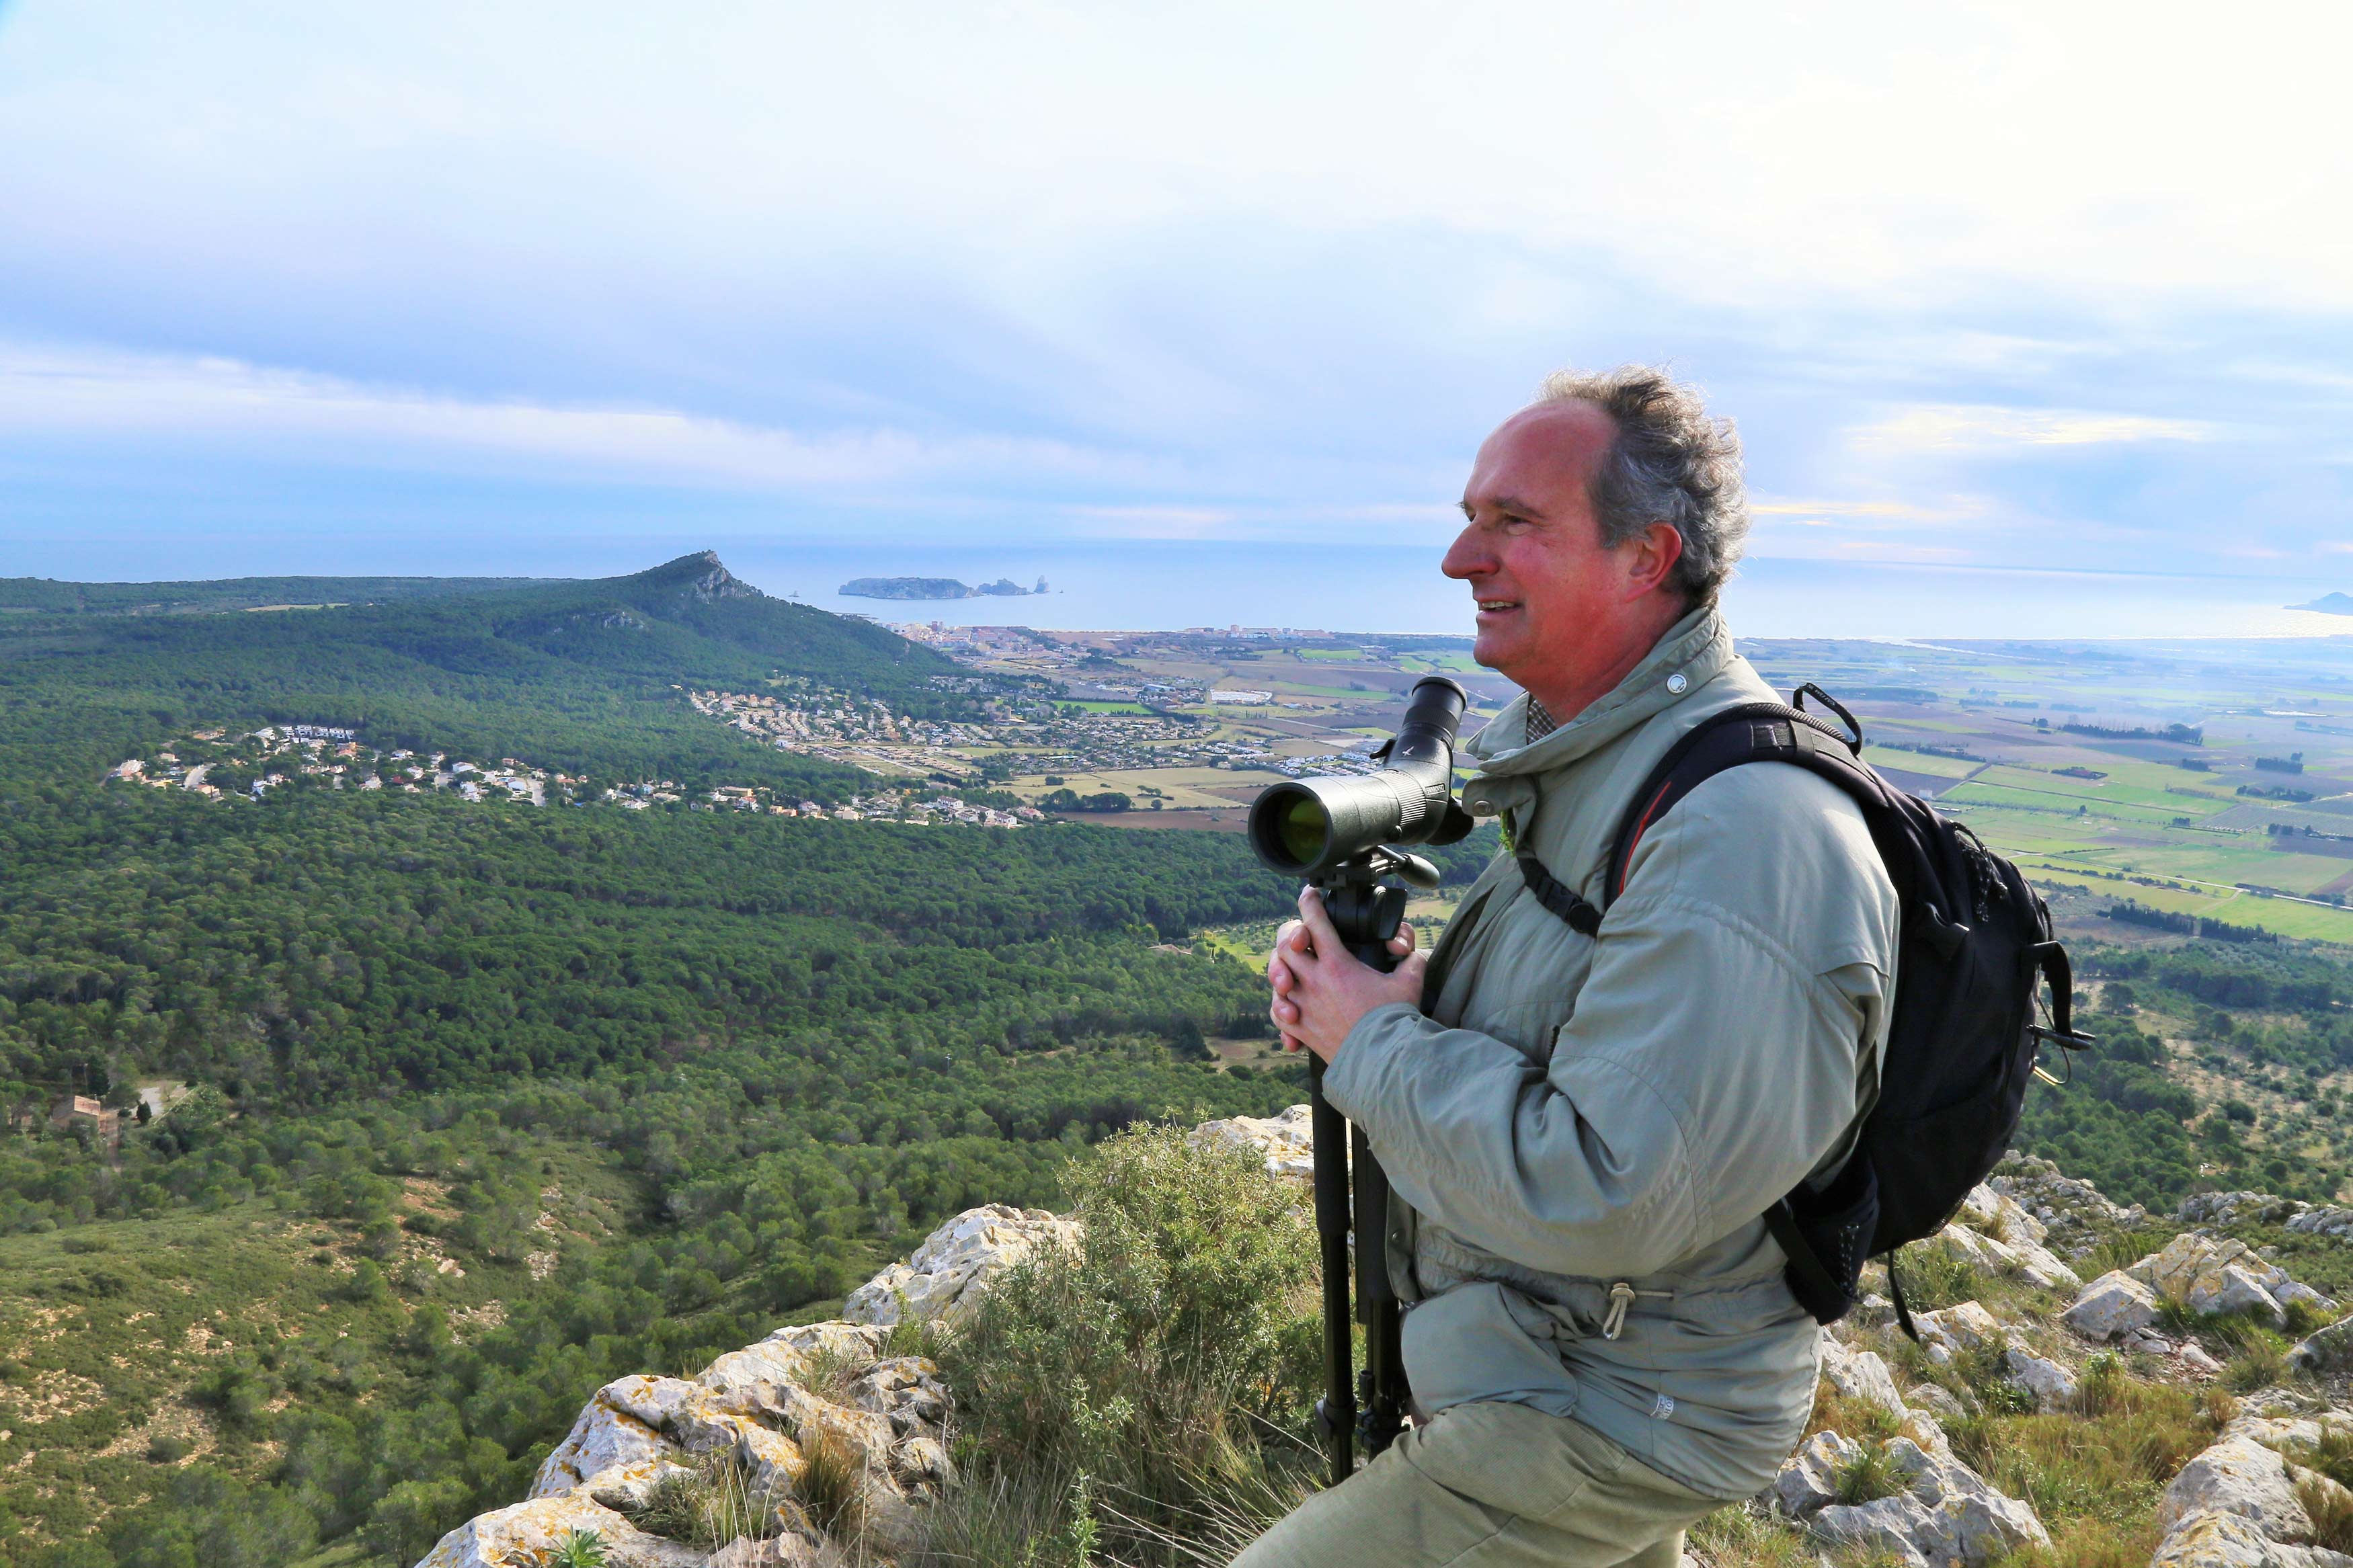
(1698, 647)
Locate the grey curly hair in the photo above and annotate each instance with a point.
(1670, 463)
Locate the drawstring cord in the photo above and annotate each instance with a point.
(1622, 1296)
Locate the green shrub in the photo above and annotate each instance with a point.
(1170, 1359)
(711, 1504)
(1936, 1274)
(1870, 1475)
(2257, 1354)
(581, 1548)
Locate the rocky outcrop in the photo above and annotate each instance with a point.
(1863, 1376)
(532, 1532)
(2213, 1274)
(1944, 1513)
(1285, 1142)
(760, 1414)
(1995, 1232)
(949, 1273)
(2111, 1306)
(2076, 1217)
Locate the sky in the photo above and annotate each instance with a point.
(539, 287)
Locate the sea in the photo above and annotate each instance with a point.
(1157, 585)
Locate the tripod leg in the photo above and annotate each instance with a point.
(1382, 1393)
(1335, 1413)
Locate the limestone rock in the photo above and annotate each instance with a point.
(2219, 1274)
(1966, 1326)
(784, 1552)
(1807, 1479)
(1889, 1524)
(2001, 1235)
(2325, 1350)
(2238, 1476)
(949, 1273)
(2052, 1386)
(1936, 1400)
(531, 1532)
(1286, 1141)
(1948, 1516)
(2325, 1221)
(2226, 1541)
(2111, 1306)
(2075, 1215)
(629, 1487)
(1861, 1374)
(605, 1437)
(2240, 1208)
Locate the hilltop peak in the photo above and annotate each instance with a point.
(701, 575)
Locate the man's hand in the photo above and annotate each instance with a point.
(1320, 989)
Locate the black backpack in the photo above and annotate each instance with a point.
(1964, 1037)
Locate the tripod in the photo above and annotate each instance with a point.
(1351, 1192)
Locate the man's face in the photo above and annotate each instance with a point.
(1532, 551)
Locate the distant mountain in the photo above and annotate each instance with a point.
(44, 596)
(588, 676)
(935, 588)
(2329, 604)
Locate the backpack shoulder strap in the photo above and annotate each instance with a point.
(1751, 733)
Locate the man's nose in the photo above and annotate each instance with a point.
(1468, 556)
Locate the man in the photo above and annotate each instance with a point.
(1583, 1131)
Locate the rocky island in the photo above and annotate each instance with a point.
(936, 588)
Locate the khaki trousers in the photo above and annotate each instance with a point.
(1490, 1485)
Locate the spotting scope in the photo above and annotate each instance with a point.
(1309, 829)
(1341, 833)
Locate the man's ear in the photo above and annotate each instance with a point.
(1651, 559)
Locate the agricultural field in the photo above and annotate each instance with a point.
(2209, 781)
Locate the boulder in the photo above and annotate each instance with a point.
(1936, 1400)
(2075, 1215)
(1966, 1326)
(1285, 1140)
(2240, 1208)
(2238, 1476)
(2052, 1386)
(1861, 1374)
(1809, 1479)
(629, 1487)
(1998, 1234)
(2221, 1274)
(2232, 1289)
(2325, 1221)
(951, 1270)
(605, 1437)
(1889, 1525)
(2325, 1351)
(2226, 1541)
(787, 1551)
(1946, 1516)
(531, 1531)
(2114, 1305)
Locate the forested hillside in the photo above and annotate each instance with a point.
(474, 1105)
(586, 677)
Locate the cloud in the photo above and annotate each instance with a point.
(1945, 426)
(53, 393)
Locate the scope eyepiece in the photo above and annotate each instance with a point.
(1308, 828)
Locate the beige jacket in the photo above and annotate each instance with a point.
(1584, 1113)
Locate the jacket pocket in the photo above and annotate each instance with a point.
(1484, 1341)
